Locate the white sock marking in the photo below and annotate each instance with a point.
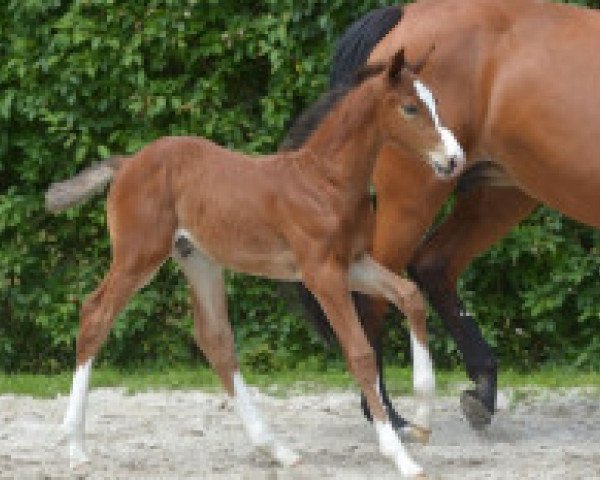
(253, 423)
(423, 382)
(257, 429)
(74, 421)
(390, 446)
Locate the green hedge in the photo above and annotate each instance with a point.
(83, 80)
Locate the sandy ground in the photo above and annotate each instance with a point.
(547, 435)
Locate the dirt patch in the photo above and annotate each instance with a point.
(549, 435)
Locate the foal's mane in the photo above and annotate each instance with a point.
(309, 120)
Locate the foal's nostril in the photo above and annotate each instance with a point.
(452, 163)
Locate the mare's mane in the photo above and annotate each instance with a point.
(351, 53)
(353, 49)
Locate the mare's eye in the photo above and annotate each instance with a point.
(411, 109)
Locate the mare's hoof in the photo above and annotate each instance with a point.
(474, 410)
(415, 434)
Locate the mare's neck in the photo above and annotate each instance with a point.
(344, 147)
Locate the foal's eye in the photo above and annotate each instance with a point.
(411, 109)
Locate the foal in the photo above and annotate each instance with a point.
(302, 215)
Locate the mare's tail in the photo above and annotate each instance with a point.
(92, 180)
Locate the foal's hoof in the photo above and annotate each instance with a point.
(407, 433)
(415, 434)
(474, 410)
(62, 439)
(79, 463)
(284, 455)
(413, 471)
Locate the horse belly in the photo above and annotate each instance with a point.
(561, 185)
(245, 252)
(544, 122)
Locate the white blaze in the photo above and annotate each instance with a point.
(428, 99)
(451, 147)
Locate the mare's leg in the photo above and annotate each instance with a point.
(213, 334)
(369, 277)
(480, 217)
(329, 283)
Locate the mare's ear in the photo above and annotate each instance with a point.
(418, 66)
(397, 64)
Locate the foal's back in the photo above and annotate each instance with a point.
(226, 203)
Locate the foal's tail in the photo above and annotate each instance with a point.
(92, 180)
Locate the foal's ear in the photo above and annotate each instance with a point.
(418, 66)
(397, 64)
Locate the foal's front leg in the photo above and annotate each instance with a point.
(369, 277)
(329, 283)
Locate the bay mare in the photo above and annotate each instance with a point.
(303, 215)
(517, 81)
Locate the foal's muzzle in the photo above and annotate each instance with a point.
(448, 160)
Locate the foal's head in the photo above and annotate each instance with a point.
(409, 117)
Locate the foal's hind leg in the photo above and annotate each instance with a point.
(212, 332)
(369, 277)
(141, 229)
(329, 283)
(126, 275)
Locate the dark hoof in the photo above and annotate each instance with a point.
(474, 410)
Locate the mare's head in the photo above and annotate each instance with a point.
(409, 118)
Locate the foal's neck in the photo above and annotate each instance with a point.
(345, 145)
